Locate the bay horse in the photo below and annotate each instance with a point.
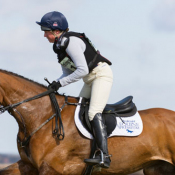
(153, 150)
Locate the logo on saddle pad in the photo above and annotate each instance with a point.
(129, 131)
(129, 125)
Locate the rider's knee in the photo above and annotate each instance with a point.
(92, 114)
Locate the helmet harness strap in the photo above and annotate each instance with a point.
(58, 35)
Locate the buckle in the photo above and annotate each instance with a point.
(21, 144)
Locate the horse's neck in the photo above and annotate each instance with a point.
(16, 89)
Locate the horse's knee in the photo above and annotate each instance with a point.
(19, 168)
(45, 169)
(149, 171)
(11, 169)
(160, 168)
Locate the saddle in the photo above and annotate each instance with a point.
(123, 108)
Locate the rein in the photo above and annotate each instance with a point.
(3, 109)
(59, 131)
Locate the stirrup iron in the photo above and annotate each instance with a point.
(101, 155)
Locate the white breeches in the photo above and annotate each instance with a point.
(97, 87)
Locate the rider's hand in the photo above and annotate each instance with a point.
(55, 85)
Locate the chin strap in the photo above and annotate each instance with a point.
(58, 35)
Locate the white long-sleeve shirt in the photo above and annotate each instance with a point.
(75, 50)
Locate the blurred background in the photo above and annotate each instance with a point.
(137, 36)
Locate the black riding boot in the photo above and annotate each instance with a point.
(101, 156)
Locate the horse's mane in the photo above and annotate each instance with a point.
(15, 74)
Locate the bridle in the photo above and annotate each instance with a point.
(58, 131)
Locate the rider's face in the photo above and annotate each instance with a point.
(50, 35)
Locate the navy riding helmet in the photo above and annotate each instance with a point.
(53, 21)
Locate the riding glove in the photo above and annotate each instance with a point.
(55, 85)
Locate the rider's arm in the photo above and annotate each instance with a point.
(75, 50)
(65, 71)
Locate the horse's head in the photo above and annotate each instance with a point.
(6, 91)
(1, 96)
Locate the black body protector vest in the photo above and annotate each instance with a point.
(92, 55)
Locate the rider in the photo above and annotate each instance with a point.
(80, 59)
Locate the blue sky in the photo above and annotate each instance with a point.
(137, 36)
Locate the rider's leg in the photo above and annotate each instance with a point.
(100, 91)
(85, 91)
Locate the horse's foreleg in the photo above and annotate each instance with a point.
(68, 168)
(161, 168)
(19, 168)
(45, 169)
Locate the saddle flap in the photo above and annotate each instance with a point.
(110, 122)
(108, 118)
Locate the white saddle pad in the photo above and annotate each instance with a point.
(128, 126)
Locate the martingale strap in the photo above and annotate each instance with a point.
(59, 130)
(26, 141)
